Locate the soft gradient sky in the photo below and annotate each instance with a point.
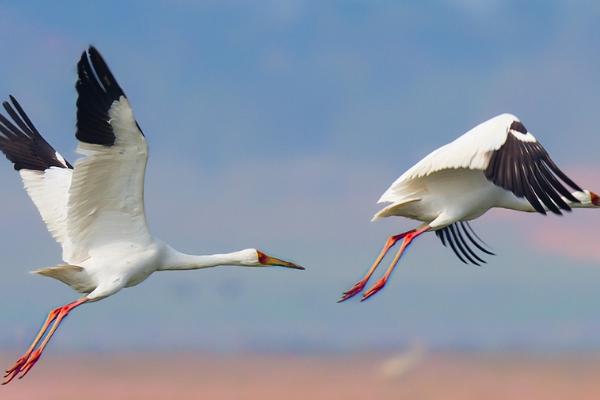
(277, 124)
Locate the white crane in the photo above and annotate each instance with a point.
(95, 209)
(496, 164)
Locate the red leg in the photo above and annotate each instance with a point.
(32, 355)
(359, 286)
(381, 282)
(19, 363)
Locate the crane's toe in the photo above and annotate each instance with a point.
(354, 290)
(31, 361)
(17, 367)
(374, 289)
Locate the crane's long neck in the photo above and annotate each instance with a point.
(176, 260)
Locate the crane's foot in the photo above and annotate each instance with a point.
(26, 362)
(374, 289)
(31, 361)
(22, 366)
(356, 289)
(17, 365)
(15, 369)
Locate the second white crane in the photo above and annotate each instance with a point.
(499, 163)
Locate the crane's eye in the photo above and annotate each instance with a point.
(519, 127)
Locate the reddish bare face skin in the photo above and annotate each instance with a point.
(595, 199)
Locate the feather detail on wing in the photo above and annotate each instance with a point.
(106, 198)
(45, 173)
(526, 169)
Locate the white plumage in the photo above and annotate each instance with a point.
(498, 163)
(106, 195)
(95, 209)
(471, 151)
(49, 191)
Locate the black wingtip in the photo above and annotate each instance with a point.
(92, 51)
(526, 169)
(21, 142)
(104, 74)
(98, 90)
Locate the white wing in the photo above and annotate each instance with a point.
(509, 156)
(45, 173)
(471, 150)
(106, 196)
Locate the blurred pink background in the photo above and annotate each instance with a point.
(404, 375)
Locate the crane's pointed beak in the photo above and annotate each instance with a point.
(264, 259)
(595, 199)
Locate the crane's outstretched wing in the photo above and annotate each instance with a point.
(523, 166)
(45, 173)
(455, 235)
(510, 157)
(106, 196)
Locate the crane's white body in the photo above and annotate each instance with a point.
(449, 184)
(119, 265)
(426, 198)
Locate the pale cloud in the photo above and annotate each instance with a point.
(402, 363)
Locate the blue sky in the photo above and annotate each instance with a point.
(277, 125)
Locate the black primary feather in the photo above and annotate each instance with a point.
(97, 91)
(461, 242)
(526, 169)
(21, 142)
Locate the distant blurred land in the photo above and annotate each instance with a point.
(409, 375)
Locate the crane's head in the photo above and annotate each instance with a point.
(586, 199)
(595, 199)
(256, 258)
